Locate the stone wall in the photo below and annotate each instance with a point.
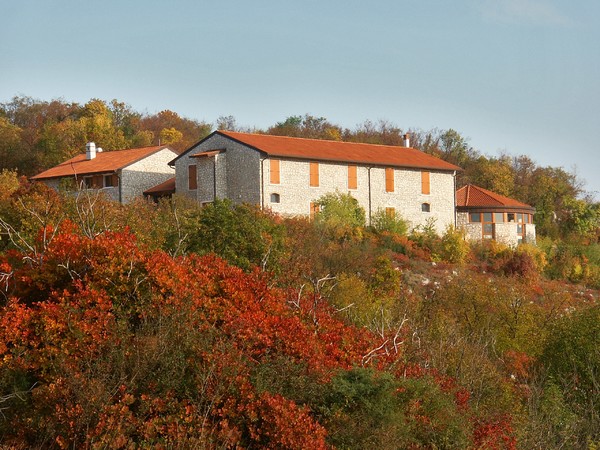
(296, 194)
(147, 173)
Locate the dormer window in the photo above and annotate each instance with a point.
(275, 198)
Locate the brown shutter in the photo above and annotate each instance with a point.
(352, 177)
(389, 180)
(390, 212)
(314, 174)
(192, 177)
(115, 180)
(98, 181)
(274, 171)
(425, 185)
(314, 209)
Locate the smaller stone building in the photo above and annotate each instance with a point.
(122, 174)
(484, 215)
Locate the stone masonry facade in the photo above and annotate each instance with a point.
(144, 174)
(243, 176)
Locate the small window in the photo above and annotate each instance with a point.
(111, 180)
(314, 209)
(88, 182)
(519, 217)
(192, 177)
(487, 217)
(275, 198)
(425, 207)
(475, 217)
(510, 217)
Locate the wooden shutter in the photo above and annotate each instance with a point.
(98, 181)
(389, 180)
(390, 212)
(115, 180)
(425, 185)
(314, 174)
(352, 177)
(274, 171)
(314, 209)
(192, 177)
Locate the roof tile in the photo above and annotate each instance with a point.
(106, 161)
(474, 196)
(349, 152)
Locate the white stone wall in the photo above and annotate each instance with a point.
(146, 173)
(296, 194)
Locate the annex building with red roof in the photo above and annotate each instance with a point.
(122, 175)
(287, 175)
(484, 215)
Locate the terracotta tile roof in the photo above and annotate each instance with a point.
(348, 152)
(166, 187)
(475, 196)
(107, 161)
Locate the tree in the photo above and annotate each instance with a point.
(307, 126)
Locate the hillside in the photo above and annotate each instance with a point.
(174, 326)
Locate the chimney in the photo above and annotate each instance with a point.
(406, 138)
(90, 150)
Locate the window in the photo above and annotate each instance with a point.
(314, 209)
(520, 217)
(475, 217)
(510, 217)
(88, 182)
(389, 179)
(314, 174)
(352, 177)
(111, 180)
(425, 184)
(487, 226)
(192, 177)
(390, 212)
(275, 198)
(521, 233)
(274, 171)
(498, 217)
(425, 207)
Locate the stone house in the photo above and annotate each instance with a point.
(122, 174)
(484, 215)
(287, 175)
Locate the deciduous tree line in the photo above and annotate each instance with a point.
(35, 135)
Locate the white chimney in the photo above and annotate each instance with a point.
(406, 139)
(90, 150)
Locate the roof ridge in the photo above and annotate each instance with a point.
(319, 140)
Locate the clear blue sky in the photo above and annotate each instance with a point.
(521, 76)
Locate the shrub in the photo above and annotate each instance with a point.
(453, 246)
(384, 222)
